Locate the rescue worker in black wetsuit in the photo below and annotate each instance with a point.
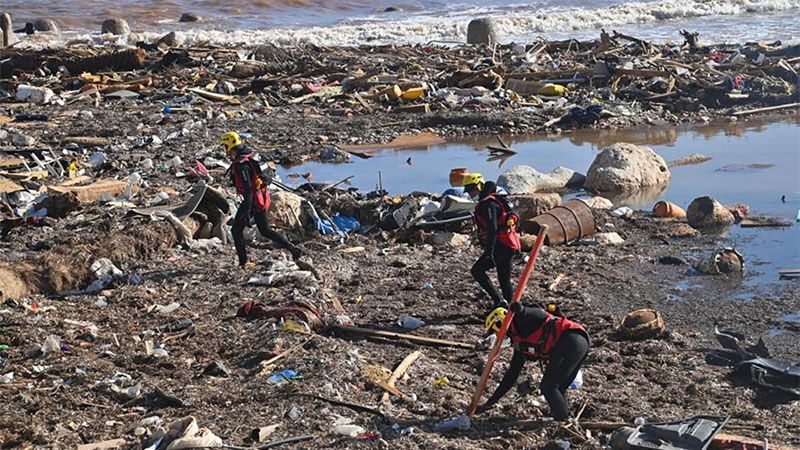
(538, 335)
(498, 234)
(250, 183)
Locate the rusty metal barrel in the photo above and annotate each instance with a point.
(568, 222)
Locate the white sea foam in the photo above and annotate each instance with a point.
(518, 24)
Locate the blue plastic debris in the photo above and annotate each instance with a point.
(284, 376)
(345, 223)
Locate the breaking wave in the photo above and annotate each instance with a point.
(512, 23)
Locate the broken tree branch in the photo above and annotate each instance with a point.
(400, 371)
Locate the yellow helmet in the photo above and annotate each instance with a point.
(495, 319)
(230, 140)
(473, 180)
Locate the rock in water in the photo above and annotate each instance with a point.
(705, 212)
(481, 31)
(116, 27)
(45, 25)
(624, 167)
(527, 180)
(7, 29)
(189, 17)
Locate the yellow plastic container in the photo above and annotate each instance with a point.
(551, 89)
(413, 94)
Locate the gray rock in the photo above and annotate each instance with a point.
(47, 25)
(116, 27)
(625, 167)
(189, 17)
(7, 30)
(481, 31)
(527, 180)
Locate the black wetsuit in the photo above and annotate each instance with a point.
(565, 360)
(244, 171)
(495, 254)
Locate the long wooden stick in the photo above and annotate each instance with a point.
(402, 336)
(400, 371)
(767, 109)
(523, 281)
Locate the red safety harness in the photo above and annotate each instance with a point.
(261, 198)
(541, 342)
(506, 234)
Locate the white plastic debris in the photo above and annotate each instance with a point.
(33, 94)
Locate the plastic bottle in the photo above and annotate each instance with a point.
(578, 381)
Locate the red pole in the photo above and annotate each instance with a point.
(523, 281)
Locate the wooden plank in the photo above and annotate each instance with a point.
(400, 370)
(11, 161)
(366, 332)
(754, 222)
(95, 191)
(8, 186)
(25, 175)
(103, 445)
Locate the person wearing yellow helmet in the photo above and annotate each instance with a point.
(537, 335)
(496, 223)
(251, 183)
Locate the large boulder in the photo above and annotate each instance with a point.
(527, 180)
(6, 30)
(705, 212)
(481, 31)
(286, 210)
(528, 206)
(116, 27)
(625, 167)
(45, 25)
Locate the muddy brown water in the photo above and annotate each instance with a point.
(754, 162)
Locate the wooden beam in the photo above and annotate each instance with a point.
(366, 332)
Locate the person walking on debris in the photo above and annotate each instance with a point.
(251, 183)
(558, 343)
(497, 231)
